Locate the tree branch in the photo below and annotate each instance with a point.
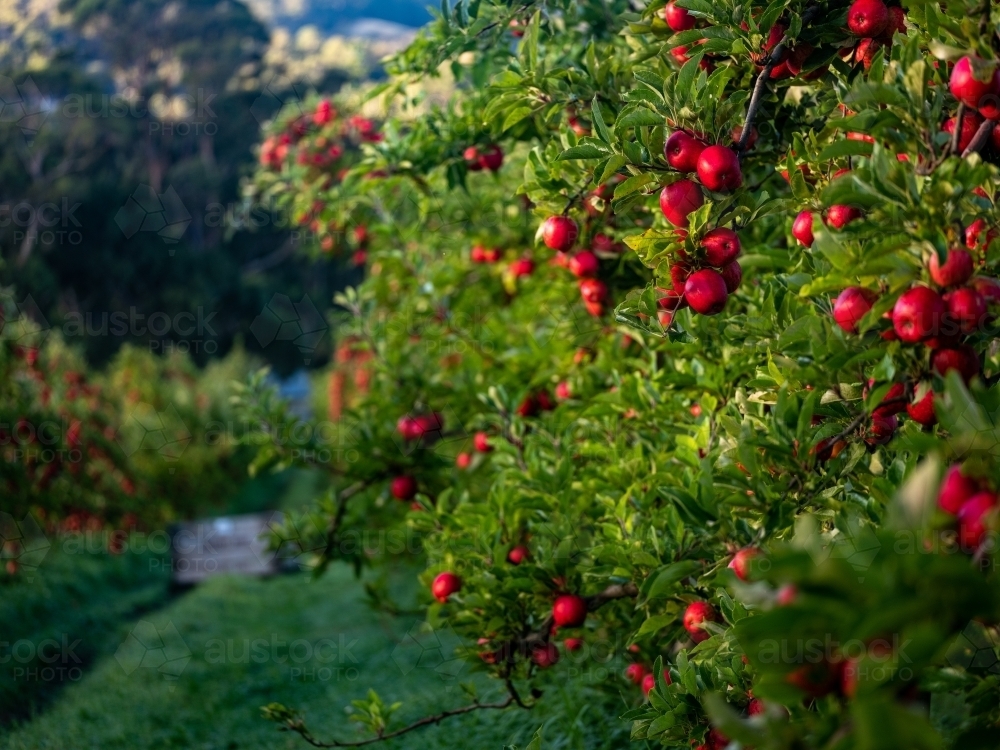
(298, 726)
(758, 91)
(956, 134)
(979, 139)
(762, 78)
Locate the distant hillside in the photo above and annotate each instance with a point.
(339, 16)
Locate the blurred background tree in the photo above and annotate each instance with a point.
(104, 98)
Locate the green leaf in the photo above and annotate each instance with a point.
(653, 625)
(515, 116)
(506, 79)
(640, 117)
(846, 147)
(580, 152)
(669, 575)
(634, 184)
(599, 126)
(614, 163)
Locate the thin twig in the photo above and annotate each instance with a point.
(956, 134)
(573, 199)
(758, 91)
(979, 139)
(758, 87)
(435, 719)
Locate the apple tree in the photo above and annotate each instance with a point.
(678, 325)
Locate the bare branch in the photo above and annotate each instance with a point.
(303, 731)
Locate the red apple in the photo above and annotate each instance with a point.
(955, 490)
(491, 157)
(404, 488)
(755, 707)
(517, 554)
(970, 124)
(679, 53)
(472, 159)
(988, 287)
(867, 18)
(409, 428)
(893, 400)
(802, 228)
(705, 291)
(584, 264)
(563, 391)
(635, 673)
(677, 18)
(961, 357)
(839, 216)
(649, 681)
(463, 460)
(522, 267)
(719, 169)
(528, 406)
(956, 269)
(481, 442)
(882, 428)
(970, 87)
(974, 238)
(967, 308)
(971, 525)
(569, 611)
(679, 273)
(716, 739)
(444, 585)
(740, 564)
(732, 274)
(918, 314)
(867, 51)
(559, 233)
(851, 306)
(593, 291)
(678, 199)
(786, 595)
(921, 410)
(545, 402)
(721, 246)
(897, 22)
(573, 644)
(545, 656)
(696, 614)
(814, 679)
(682, 151)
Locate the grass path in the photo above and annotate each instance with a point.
(214, 702)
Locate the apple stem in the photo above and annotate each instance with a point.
(979, 139)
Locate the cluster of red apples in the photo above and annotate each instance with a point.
(560, 233)
(488, 157)
(938, 320)
(971, 500)
(704, 280)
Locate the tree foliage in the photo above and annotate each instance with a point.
(751, 486)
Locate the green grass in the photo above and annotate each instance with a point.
(215, 701)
